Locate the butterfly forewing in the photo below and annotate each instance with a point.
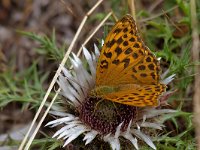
(123, 55)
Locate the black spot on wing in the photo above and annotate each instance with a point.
(143, 74)
(135, 55)
(116, 61)
(125, 43)
(132, 39)
(104, 64)
(125, 30)
(153, 75)
(118, 50)
(112, 42)
(108, 55)
(126, 62)
(133, 69)
(108, 44)
(128, 51)
(135, 93)
(120, 40)
(151, 66)
(148, 59)
(131, 32)
(141, 67)
(117, 30)
(125, 35)
(136, 45)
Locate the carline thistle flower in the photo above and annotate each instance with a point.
(93, 117)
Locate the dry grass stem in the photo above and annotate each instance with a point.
(55, 78)
(131, 4)
(158, 15)
(41, 120)
(95, 30)
(195, 55)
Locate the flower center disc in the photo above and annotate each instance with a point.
(104, 115)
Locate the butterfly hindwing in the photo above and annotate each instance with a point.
(146, 95)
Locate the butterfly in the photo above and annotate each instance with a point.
(127, 71)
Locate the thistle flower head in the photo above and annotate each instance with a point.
(93, 117)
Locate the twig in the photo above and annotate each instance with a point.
(158, 15)
(115, 17)
(41, 120)
(131, 4)
(195, 55)
(95, 30)
(154, 5)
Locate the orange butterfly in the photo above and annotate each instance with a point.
(127, 71)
